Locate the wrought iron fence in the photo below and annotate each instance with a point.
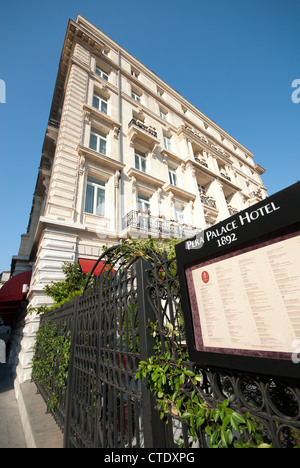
(107, 407)
(63, 319)
(104, 406)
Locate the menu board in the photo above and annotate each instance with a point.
(249, 301)
(240, 289)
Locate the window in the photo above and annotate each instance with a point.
(98, 141)
(143, 204)
(163, 114)
(140, 161)
(167, 142)
(134, 73)
(99, 102)
(95, 197)
(201, 189)
(160, 92)
(179, 215)
(172, 176)
(135, 96)
(179, 218)
(101, 73)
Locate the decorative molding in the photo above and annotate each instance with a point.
(108, 164)
(91, 113)
(145, 178)
(179, 192)
(81, 164)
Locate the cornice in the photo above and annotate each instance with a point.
(206, 143)
(171, 156)
(145, 177)
(111, 165)
(101, 116)
(179, 192)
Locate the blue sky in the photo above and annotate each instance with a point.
(233, 59)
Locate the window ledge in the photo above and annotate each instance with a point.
(179, 192)
(169, 155)
(105, 161)
(94, 112)
(144, 177)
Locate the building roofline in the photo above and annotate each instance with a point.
(208, 121)
(93, 36)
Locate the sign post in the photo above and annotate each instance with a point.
(240, 288)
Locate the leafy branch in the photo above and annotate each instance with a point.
(65, 290)
(178, 392)
(51, 361)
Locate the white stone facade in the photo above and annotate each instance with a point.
(124, 154)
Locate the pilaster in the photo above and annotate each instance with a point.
(56, 247)
(220, 199)
(64, 183)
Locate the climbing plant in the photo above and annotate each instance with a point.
(178, 393)
(65, 290)
(51, 361)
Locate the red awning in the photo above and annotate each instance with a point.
(12, 290)
(88, 264)
(11, 295)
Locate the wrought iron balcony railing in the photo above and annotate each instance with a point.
(140, 124)
(225, 176)
(203, 163)
(143, 221)
(257, 195)
(232, 210)
(54, 123)
(208, 201)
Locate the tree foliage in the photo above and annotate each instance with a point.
(65, 290)
(73, 283)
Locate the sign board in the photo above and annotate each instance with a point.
(240, 288)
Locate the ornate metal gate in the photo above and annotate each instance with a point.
(106, 406)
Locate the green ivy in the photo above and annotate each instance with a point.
(51, 361)
(178, 393)
(65, 290)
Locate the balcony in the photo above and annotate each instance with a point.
(146, 135)
(257, 195)
(142, 126)
(51, 134)
(156, 226)
(232, 211)
(54, 123)
(200, 161)
(225, 176)
(208, 201)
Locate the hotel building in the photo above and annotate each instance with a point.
(124, 155)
